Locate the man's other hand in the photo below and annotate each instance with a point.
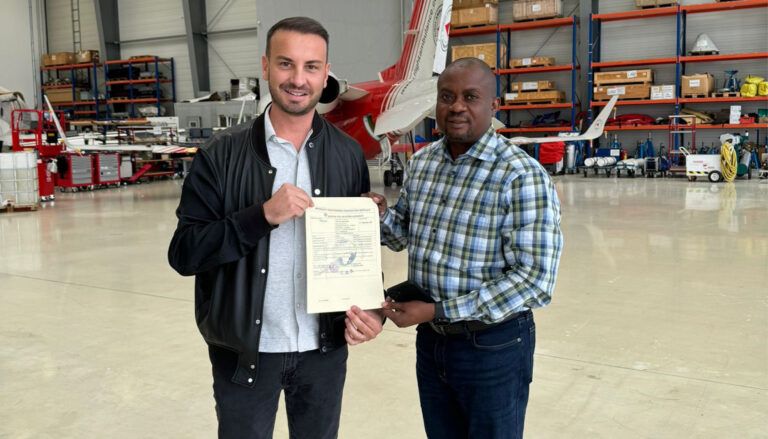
(406, 314)
(380, 200)
(362, 325)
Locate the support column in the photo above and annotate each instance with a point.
(108, 26)
(197, 44)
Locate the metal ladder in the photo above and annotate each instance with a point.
(76, 40)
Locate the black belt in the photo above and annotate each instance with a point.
(469, 326)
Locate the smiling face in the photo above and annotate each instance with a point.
(466, 102)
(296, 70)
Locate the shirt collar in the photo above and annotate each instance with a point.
(485, 147)
(269, 130)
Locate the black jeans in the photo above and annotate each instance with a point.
(312, 381)
(475, 385)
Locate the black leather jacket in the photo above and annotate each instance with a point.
(223, 237)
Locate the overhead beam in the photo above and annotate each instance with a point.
(197, 44)
(108, 26)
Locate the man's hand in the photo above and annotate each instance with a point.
(380, 200)
(287, 203)
(406, 314)
(362, 325)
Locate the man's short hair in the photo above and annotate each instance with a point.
(475, 63)
(302, 25)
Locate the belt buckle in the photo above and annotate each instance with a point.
(437, 328)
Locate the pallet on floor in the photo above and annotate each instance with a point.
(11, 208)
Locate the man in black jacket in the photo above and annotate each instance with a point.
(241, 233)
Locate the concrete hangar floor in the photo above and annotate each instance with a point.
(658, 327)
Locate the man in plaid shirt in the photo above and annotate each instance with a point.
(481, 221)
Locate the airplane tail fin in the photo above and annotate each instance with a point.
(426, 42)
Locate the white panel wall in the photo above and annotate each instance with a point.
(60, 25)
(22, 40)
(364, 34)
(232, 55)
(143, 19)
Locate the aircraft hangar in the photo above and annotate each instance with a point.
(601, 169)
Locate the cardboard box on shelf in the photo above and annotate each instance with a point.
(485, 52)
(624, 77)
(532, 86)
(662, 92)
(464, 4)
(629, 91)
(534, 61)
(698, 85)
(86, 56)
(488, 14)
(524, 10)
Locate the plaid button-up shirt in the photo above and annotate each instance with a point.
(483, 231)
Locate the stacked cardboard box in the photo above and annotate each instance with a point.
(627, 84)
(659, 92)
(485, 52)
(467, 13)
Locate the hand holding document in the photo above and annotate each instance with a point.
(343, 255)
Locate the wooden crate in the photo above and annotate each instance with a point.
(485, 52)
(535, 61)
(624, 77)
(61, 95)
(58, 59)
(644, 4)
(532, 86)
(464, 4)
(629, 91)
(525, 10)
(536, 97)
(480, 16)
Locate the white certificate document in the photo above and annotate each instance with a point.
(343, 255)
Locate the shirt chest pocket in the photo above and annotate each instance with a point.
(475, 236)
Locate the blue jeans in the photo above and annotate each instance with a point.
(311, 381)
(475, 385)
